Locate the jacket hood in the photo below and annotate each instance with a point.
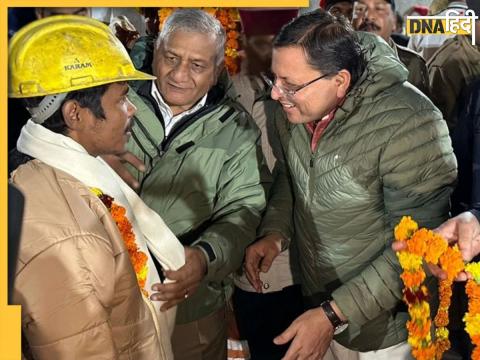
(383, 70)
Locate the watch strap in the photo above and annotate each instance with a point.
(331, 314)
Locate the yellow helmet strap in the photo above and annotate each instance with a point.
(47, 107)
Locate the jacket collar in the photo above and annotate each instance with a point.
(222, 89)
(383, 70)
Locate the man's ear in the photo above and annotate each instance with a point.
(71, 112)
(343, 79)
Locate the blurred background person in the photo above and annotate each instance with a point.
(106, 15)
(466, 145)
(142, 51)
(124, 31)
(428, 45)
(43, 12)
(397, 34)
(453, 67)
(378, 17)
(466, 197)
(338, 7)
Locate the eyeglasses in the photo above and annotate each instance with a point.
(289, 93)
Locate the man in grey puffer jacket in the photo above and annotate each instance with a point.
(362, 148)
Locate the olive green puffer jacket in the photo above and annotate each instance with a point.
(207, 181)
(387, 153)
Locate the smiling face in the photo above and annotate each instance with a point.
(184, 64)
(109, 135)
(314, 101)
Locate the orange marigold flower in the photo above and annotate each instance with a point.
(117, 212)
(413, 279)
(475, 339)
(232, 43)
(436, 246)
(417, 244)
(163, 14)
(141, 268)
(473, 290)
(222, 16)
(418, 329)
(476, 353)
(123, 223)
(451, 262)
(445, 293)
(474, 306)
(232, 34)
(425, 353)
(441, 319)
(405, 228)
(442, 345)
(138, 258)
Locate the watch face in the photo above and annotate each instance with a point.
(340, 328)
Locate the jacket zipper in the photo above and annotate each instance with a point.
(167, 141)
(156, 320)
(179, 128)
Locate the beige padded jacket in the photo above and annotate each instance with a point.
(74, 279)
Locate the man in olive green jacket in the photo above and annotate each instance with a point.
(362, 148)
(454, 66)
(203, 175)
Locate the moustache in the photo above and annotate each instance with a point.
(369, 26)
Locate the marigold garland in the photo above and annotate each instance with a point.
(137, 257)
(229, 18)
(423, 244)
(472, 317)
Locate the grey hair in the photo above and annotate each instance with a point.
(194, 20)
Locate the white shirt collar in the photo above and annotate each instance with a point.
(168, 119)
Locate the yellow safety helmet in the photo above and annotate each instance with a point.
(59, 54)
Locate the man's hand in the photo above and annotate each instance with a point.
(463, 229)
(312, 334)
(259, 257)
(117, 162)
(186, 279)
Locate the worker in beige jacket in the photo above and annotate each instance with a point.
(85, 267)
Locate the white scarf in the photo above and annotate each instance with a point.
(65, 154)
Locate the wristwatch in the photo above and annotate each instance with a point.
(338, 324)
